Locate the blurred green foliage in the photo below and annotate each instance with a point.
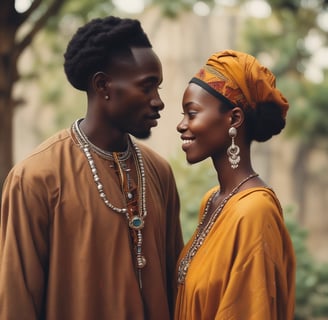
(289, 42)
(192, 182)
(311, 275)
(285, 39)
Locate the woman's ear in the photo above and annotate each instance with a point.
(237, 117)
(100, 83)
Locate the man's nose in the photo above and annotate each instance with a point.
(157, 103)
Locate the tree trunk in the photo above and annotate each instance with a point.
(6, 136)
(8, 77)
(11, 49)
(9, 23)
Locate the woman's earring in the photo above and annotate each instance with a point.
(106, 97)
(233, 150)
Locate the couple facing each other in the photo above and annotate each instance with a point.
(90, 224)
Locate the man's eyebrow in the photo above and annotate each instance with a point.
(151, 80)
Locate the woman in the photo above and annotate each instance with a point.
(239, 264)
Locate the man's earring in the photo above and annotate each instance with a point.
(233, 150)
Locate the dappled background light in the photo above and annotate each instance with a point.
(201, 8)
(130, 6)
(257, 9)
(22, 5)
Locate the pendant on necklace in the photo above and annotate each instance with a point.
(136, 223)
(141, 260)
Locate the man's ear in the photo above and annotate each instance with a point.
(100, 83)
(237, 117)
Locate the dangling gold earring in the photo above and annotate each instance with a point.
(233, 150)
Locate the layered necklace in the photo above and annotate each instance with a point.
(135, 205)
(203, 229)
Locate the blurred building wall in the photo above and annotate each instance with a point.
(183, 46)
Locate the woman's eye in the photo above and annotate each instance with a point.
(191, 114)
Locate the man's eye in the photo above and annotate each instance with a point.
(150, 88)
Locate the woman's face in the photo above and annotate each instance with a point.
(204, 128)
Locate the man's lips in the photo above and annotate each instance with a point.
(154, 116)
(152, 119)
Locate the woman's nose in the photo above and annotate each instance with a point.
(182, 126)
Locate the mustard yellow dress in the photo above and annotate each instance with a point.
(245, 268)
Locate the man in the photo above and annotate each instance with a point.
(89, 221)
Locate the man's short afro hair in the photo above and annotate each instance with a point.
(94, 43)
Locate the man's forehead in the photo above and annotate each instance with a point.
(142, 54)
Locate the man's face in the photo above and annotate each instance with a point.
(134, 99)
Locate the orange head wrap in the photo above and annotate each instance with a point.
(240, 79)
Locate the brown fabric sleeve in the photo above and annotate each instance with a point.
(23, 245)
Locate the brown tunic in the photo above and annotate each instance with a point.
(64, 255)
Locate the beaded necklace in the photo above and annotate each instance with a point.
(105, 154)
(202, 232)
(134, 213)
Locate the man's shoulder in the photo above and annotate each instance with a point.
(58, 139)
(46, 152)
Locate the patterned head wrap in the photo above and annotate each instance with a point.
(239, 79)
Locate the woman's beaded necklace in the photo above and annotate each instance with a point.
(202, 231)
(135, 217)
